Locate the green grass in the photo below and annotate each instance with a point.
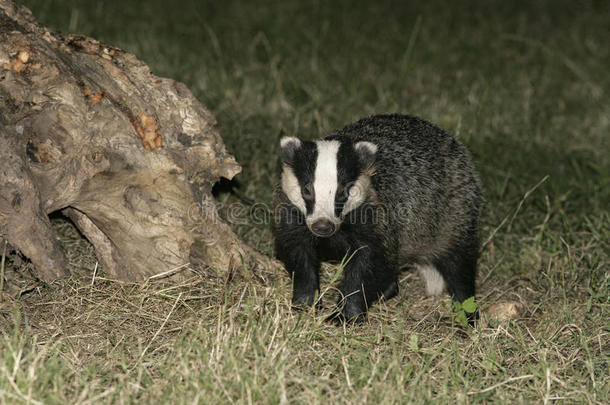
(524, 84)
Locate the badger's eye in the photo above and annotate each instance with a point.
(354, 191)
(308, 192)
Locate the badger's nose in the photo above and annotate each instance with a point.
(323, 228)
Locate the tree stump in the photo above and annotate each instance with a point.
(131, 158)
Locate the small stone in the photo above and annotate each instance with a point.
(503, 311)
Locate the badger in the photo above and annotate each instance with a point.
(382, 194)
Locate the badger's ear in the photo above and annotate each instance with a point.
(366, 153)
(288, 147)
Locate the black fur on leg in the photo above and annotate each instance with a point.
(391, 291)
(458, 268)
(296, 248)
(367, 279)
(367, 274)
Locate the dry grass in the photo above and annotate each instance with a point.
(215, 340)
(525, 85)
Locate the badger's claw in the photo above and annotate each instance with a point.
(302, 300)
(391, 291)
(343, 317)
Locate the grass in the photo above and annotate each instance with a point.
(525, 85)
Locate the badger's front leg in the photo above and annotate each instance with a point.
(297, 251)
(367, 278)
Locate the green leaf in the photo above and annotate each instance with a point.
(460, 318)
(469, 305)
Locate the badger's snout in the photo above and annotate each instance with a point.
(323, 228)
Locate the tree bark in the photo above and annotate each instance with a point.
(131, 158)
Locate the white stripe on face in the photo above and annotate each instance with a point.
(357, 193)
(290, 186)
(325, 182)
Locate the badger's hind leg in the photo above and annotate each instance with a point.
(458, 269)
(435, 283)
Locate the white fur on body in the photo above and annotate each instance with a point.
(435, 284)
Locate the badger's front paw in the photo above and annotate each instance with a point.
(339, 318)
(302, 300)
(391, 291)
(354, 312)
(350, 313)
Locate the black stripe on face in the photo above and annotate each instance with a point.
(348, 170)
(304, 168)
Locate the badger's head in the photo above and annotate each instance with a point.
(326, 179)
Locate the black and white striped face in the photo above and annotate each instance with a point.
(326, 179)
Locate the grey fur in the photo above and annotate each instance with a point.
(425, 181)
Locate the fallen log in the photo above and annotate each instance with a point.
(87, 130)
